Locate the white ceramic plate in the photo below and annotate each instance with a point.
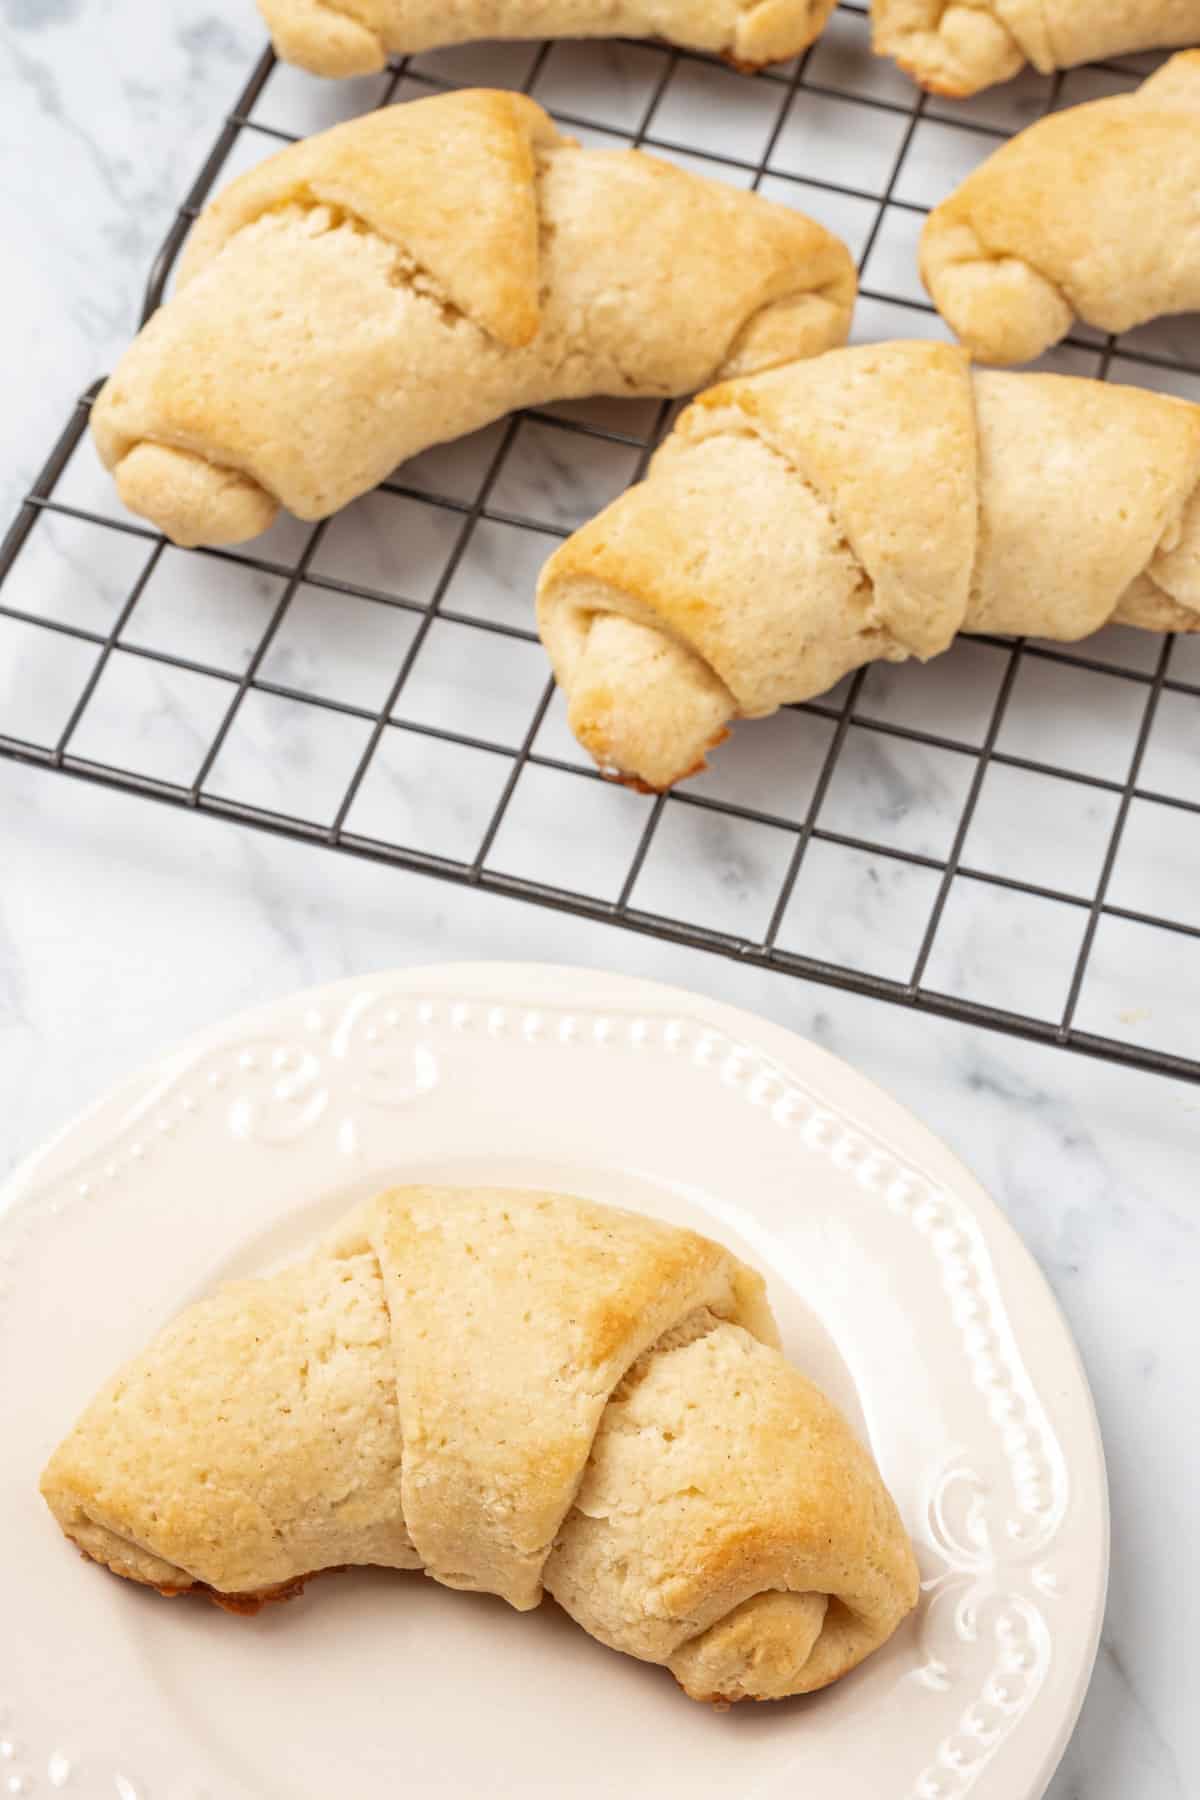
(898, 1286)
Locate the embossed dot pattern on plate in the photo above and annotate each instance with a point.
(797, 1158)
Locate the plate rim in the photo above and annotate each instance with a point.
(517, 982)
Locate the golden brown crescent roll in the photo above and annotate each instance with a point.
(414, 274)
(1090, 213)
(355, 37)
(869, 504)
(512, 1391)
(957, 47)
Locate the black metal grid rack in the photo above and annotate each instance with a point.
(1009, 837)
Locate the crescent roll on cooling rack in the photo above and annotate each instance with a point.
(356, 37)
(514, 1392)
(1090, 214)
(414, 274)
(957, 47)
(869, 504)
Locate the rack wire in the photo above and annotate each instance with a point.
(374, 684)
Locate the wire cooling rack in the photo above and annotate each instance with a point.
(1009, 836)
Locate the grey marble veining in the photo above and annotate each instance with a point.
(123, 926)
(107, 111)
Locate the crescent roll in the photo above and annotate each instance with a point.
(1090, 214)
(416, 273)
(515, 1392)
(869, 504)
(356, 37)
(957, 47)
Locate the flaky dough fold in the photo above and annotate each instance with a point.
(356, 37)
(1089, 214)
(510, 1390)
(868, 504)
(957, 47)
(416, 273)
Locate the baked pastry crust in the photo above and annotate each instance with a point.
(416, 273)
(513, 1391)
(866, 505)
(958, 47)
(356, 37)
(1088, 214)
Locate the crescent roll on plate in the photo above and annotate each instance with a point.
(416, 273)
(869, 504)
(514, 1392)
(957, 47)
(1091, 214)
(356, 37)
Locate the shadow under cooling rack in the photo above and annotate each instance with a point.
(1008, 836)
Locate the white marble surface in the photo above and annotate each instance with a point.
(123, 926)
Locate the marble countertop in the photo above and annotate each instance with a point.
(124, 926)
